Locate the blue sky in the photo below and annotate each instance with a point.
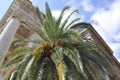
(104, 15)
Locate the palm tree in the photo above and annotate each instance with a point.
(61, 54)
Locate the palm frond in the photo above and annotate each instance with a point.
(21, 75)
(94, 57)
(75, 58)
(14, 61)
(71, 35)
(13, 76)
(71, 23)
(59, 20)
(91, 70)
(34, 69)
(18, 51)
(72, 70)
(66, 20)
(49, 16)
(48, 31)
(50, 71)
(33, 41)
(38, 13)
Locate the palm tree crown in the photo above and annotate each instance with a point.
(61, 54)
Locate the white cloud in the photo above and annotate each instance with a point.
(117, 37)
(87, 5)
(108, 20)
(107, 23)
(72, 3)
(56, 13)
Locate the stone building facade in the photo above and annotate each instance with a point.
(11, 29)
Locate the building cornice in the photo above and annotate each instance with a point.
(16, 4)
(100, 38)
